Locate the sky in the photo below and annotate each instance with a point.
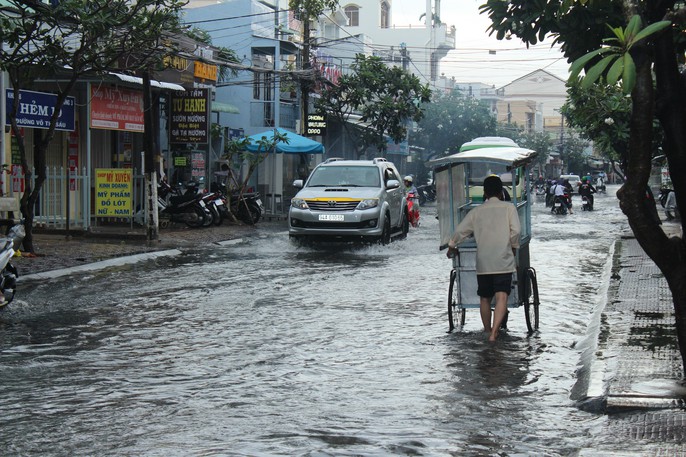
(471, 60)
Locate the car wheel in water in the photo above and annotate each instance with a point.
(386, 234)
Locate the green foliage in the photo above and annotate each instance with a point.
(602, 114)
(386, 98)
(451, 120)
(81, 37)
(312, 8)
(539, 142)
(617, 54)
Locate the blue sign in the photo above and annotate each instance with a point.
(36, 108)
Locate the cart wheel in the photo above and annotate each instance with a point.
(531, 300)
(456, 313)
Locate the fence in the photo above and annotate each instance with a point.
(66, 200)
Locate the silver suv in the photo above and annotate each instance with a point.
(349, 200)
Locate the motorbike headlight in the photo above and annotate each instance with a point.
(299, 203)
(368, 203)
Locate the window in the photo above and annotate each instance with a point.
(385, 15)
(353, 13)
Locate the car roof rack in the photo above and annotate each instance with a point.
(333, 159)
(379, 159)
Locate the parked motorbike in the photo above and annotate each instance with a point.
(426, 193)
(559, 205)
(188, 207)
(216, 203)
(9, 273)
(413, 209)
(247, 207)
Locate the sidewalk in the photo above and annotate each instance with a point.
(57, 251)
(644, 396)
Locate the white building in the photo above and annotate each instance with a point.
(419, 49)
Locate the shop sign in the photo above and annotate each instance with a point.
(205, 71)
(316, 125)
(36, 108)
(113, 192)
(190, 117)
(116, 108)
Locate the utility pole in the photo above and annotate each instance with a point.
(405, 56)
(150, 150)
(305, 83)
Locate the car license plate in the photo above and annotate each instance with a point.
(332, 217)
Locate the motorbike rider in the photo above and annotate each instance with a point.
(561, 191)
(414, 208)
(409, 186)
(587, 190)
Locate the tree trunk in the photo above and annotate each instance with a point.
(668, 254)
(671, 111)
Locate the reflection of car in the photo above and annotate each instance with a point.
(574, 180)
(349, 200)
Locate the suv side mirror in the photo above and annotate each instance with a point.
(298, 183)
(392, 184)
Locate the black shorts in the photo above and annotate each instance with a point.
(490, 284)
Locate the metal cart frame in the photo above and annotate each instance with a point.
(459, 189)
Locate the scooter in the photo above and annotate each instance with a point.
(9, 273)
(426, 193)
(559, 205)
(247, 207)
(188, 207)
(413, 209)
(586, 204)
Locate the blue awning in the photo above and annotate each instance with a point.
(297, 144)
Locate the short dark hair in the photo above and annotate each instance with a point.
(493, 187)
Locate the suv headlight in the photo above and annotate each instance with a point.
(368, 203)
(299, 203)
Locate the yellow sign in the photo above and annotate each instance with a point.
(113, 191)
(205, 71)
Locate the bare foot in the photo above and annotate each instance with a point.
(491, 339)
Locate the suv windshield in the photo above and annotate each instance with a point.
(354, 176)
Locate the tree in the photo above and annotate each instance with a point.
(651, 75)
(385, 97)
(573, 154)
(68, 41)
(449, 121)
(539, 142)
(602, 113)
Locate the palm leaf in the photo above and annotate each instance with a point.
(629, 74)
(615, 71)
(596, 70)
(581, 62)
(652, 28)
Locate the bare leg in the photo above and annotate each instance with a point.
(498, 314)
(485, 308)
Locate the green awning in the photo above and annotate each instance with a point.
(219, 107)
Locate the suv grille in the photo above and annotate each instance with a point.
(332, 205)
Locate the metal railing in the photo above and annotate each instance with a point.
(65, 200)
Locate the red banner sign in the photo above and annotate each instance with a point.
(116, 108)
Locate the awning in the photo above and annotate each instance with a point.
(137, 80)
(297, 144)
(219, 107)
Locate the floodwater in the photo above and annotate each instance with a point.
(264, 348)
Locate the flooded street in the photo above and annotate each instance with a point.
(264, 348)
